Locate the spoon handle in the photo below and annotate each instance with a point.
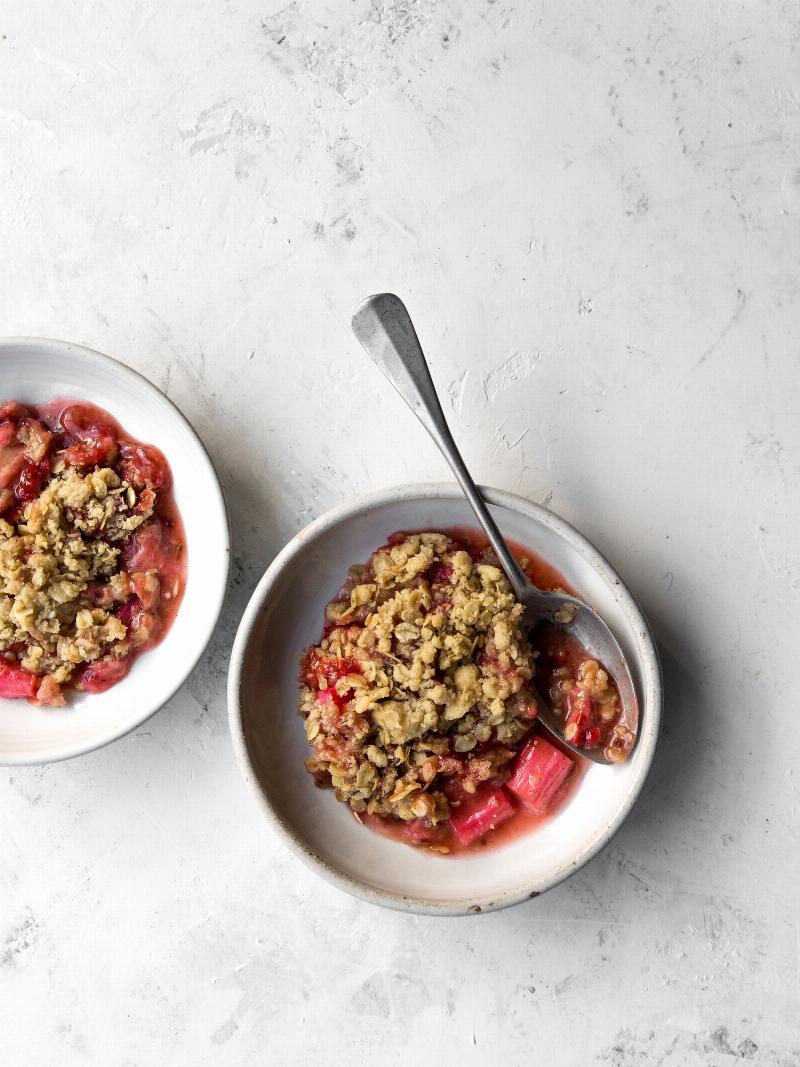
(383, 326)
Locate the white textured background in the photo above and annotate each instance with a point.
(592, 208)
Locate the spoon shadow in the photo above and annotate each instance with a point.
(669, 798)
(677, 773)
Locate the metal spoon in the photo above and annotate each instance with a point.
(383, 326)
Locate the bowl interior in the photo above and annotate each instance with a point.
(286, 615)
(34, 371)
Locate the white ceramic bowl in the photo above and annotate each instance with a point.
(35, 370)
(285, 615)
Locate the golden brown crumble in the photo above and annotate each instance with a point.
(423, 677)
(61, 575)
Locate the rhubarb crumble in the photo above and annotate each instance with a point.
(419, 700)
(92, 552)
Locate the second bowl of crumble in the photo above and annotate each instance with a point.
(114, 549)
(418, 704)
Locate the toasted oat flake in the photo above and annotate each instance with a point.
(566, 614)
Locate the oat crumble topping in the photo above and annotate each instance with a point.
(85, 560)
(421, 697)
(425, 663)
(64, 542)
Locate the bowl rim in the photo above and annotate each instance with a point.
(646, 646)
(216, 596)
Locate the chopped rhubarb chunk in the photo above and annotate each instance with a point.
(10, 409)
(14, 682)
(145, 550)
(540, 773)
(155, 548)
(478, 814)
(147, 587)
(36, 438)
(99, 595)
(91, 444)
(49, 692)
(144, 466)
(99, 676)
(525, 705)
(582, 726)
(12, 460)
(8, 433)
(143, 626)
(331, 668)
(129, 613)
(421, 832)
(30, 481)
(440, 574)
(330, 696)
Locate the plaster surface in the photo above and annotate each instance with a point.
(592, 210)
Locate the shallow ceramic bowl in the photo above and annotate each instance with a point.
(34, 371)
(285, 615)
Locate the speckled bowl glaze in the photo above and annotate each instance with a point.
(34, 370)
(285, 615)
